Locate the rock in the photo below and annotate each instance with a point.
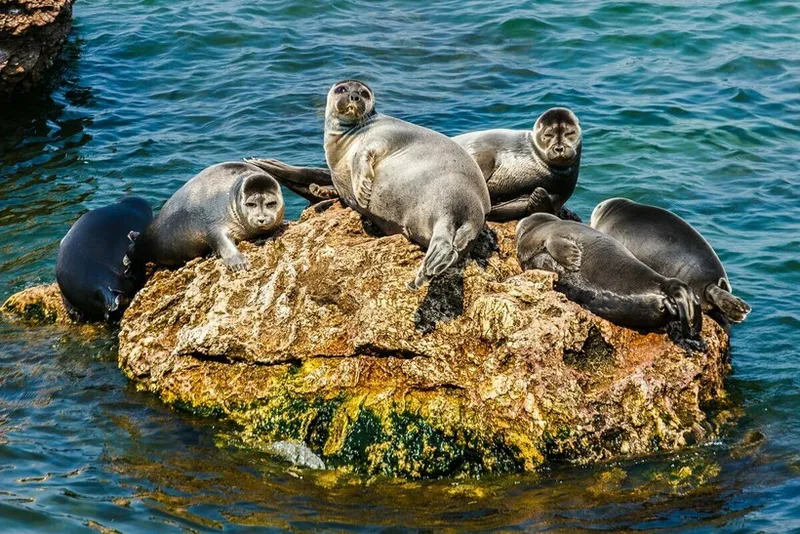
(40, 304)
(296, 453)
(485, 370)
(31, 35)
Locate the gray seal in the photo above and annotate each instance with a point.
(526, 171)
(404, 178)
(224, 204)
(601, 275)
(92, 266)
(672, 247)
(529, 171)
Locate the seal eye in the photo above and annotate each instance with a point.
(339, 90)
(272, 204)
(547, 136)
(365, 94)
(250, 204)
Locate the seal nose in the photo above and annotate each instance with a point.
(559, 149)
(354, 97)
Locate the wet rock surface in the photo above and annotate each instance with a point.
(32, 33)
(487, 369)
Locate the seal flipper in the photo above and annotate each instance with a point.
(323, 192)
(284, 172)
(540, 202)
(362, 177)
(231, 256)
(731, 306)
(684, 304)
(565, 252)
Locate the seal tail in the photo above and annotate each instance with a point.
(734, 308)
(684, 303)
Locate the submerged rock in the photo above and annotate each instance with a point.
(31, 35)
(41, 304)
(296, 453)
(487, 369)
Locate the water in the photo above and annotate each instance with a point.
(691, 106)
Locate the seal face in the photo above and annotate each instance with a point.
(672, 247)
(91, 266)
(529, 171)
(403, 177)
(213, 211)
(601, 275)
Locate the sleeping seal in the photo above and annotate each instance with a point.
(601, 275)
(526, 171)
(213, 211)
(672, 247)
(529, 171)
(403, 177)
(91, 264)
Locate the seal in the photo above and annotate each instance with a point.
(405, 178)
(672, 247)
(601, 275)
(526, 171)
(214, 210)
(91, 269)
(529, 171)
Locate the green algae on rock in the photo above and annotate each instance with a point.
(487, 369)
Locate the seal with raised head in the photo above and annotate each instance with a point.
(403, 177)
(670, 246)
(224, 204)
(601, 275)
(91, 269)
(529, 171)
(526, 171)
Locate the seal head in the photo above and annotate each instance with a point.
(557, 137)
(350, 101)
(258, 204)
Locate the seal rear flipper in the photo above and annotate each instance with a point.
(286, 173)
(684, 304)
(441, 255)
(731, 306)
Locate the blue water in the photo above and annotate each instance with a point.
(690, 106)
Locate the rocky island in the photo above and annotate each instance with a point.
(486, 370)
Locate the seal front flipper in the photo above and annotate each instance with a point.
(540, 202)
(683, 304)
(734, 308)
(363, 174)
(565, 252)
(323, 192)
(510, 210)
(224, 246)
